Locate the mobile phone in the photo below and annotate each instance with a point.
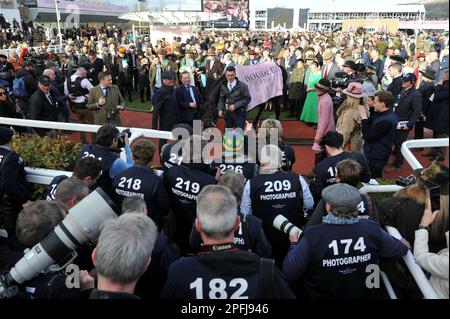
(435, 198)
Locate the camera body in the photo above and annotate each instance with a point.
(121, 138)
(405, 181)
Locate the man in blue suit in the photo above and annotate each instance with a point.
(189, 100)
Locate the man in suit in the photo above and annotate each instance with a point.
(44, 105)
(133, 72)
(189, 100)
(106, 101)
(214, 69)
(165, 111)
(329, 68)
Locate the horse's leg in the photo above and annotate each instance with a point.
(255, 121)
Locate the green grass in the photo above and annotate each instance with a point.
(137, 105)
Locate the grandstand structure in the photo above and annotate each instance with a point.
(334, 18)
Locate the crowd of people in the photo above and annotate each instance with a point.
(198, 227)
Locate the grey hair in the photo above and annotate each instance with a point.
(124, 248)
(216, 211)
(70, 188)
(80, 70)
(235, 182)
(271, 157)
(48, 72)
(133, 204)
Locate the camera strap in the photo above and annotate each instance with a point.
(244, 225)
(266, 277)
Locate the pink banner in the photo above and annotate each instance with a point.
(264, 80)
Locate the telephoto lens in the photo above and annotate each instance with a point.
(283, 224)
(82, 224)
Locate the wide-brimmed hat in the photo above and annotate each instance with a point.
(355, 90)
(409, 77)
(328, 55)
(350, 64)
(398, 59)
(3, 56)
(429, 73)
(422, 55)
(162, 52)
(212, 52)
(310, 57)
(434, 175)
(323, 85)
(122, 50)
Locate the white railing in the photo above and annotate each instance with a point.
(415, 270)
(429, 142)
(135, 132)
(43, 176)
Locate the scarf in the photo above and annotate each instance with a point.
(339, 220)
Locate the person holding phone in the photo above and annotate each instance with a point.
(436, 264)
(405, 209)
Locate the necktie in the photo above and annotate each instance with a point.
(192, 95)
(49, 98)
(325, 74)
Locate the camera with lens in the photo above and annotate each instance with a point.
(405, 181)
(121, 138)
(340, 81)
(52, 254)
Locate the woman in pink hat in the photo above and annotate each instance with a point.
(349, 120)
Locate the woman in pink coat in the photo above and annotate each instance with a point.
(325, 113)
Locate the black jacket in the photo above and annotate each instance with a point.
(12, 178)
(379, 135)
(183, 96)
(42, 110)
(395, 87)
(426, 89)
(409, 107)
(437, 119)
(239, 96)
(238, 271)
(165, 109)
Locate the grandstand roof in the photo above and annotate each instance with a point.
(171, 17)
(345, 8)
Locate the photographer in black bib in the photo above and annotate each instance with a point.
(107, 149)
(183, 184)
(220, 270)
(274, 193)
(140, 180)
(332, 258)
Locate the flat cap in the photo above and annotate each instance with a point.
(167, 75)
(342, 196)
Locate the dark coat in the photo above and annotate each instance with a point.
(426, 89)
(395, 87)
(409, 107)
(165, 109)
(42, 110)
(437, 119)
(212, 74)
(186, 113)
(239, 96)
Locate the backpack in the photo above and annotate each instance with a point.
(19, 88)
